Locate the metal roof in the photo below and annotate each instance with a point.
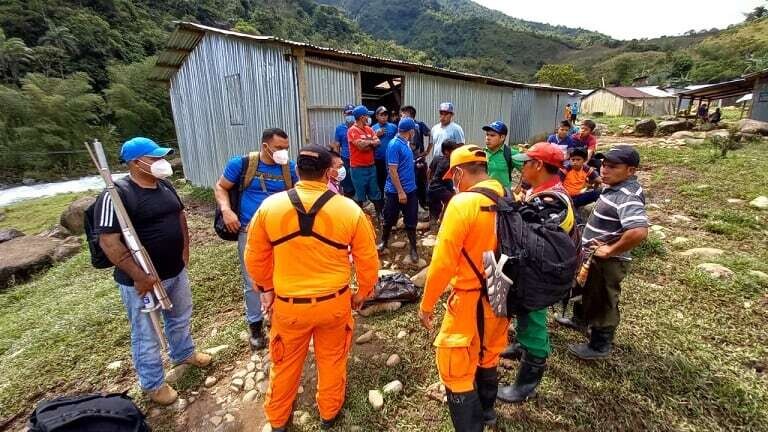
(655, 91)
(628, 92)
(187, 35)
(721, 90)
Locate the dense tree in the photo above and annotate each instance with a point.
(561, 75)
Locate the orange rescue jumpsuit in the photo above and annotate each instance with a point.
(460, 350)
(306, 268)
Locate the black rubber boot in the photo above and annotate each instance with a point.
(576, 321)
(379, 206)
(528, 378)
(600, 344)
(414, 253)
(487, 380)
(514, 351)
(466, 411)
(258, 340)
(328, 424)
(386, 231)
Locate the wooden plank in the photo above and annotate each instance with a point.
(299, 54)
(344, 66)
(358, 88)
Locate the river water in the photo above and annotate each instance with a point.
(23, 193)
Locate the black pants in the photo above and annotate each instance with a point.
(421, 182)
(602, 291)
(438, 199)
(381, 173)
(410, 209)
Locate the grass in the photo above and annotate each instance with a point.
(685, 358)
(34, 216)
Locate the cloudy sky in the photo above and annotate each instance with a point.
(624, 19)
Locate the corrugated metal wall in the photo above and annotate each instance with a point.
(759, 110)
(201, 103)
(604, 102)
(476, 104)
(329, 89)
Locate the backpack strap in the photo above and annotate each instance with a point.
(287, 176)
(480, 313)
(307, 219)
(508, 158)
(251, 164)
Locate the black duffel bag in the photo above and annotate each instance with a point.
(114, 412)
(395, 287)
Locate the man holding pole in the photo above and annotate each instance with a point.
(158, 217)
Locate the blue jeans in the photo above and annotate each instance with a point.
(145, 348)
(252, 298)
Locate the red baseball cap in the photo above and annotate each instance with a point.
(545, 152)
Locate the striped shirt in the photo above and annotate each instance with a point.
(620, 208)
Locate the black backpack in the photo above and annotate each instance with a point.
(99, 259)
(114, 412)
(535, 261)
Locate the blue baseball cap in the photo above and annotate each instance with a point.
(498, 126)
(138, 147)
(360, 111)
(406, 124)
(348, 109)
(447, 107)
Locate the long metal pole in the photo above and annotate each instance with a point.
(157, 300)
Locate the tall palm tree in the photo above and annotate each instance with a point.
(62, 38)
(14, 53)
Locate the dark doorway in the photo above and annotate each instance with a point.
(381, 89)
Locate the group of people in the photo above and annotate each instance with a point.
(303, 231)
(702, 113)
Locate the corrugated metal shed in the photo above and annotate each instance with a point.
(226, 87)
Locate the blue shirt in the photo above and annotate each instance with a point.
(390, 132)
(340, 136)
(251, 199)
(575, 109)
(399, 153)
(568, 142)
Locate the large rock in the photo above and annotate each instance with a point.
(420, 279)
(645, 128)
(672, 126)
(72, 217)
(600, 129)
(24, 256)
(688, 134)
(760, 202)
(57, 231)
(715, 270)
(722, 133)
(703, 252)
(749, 126)
(7, 234)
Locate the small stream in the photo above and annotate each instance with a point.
(22, 193)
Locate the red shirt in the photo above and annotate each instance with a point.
(357, 157)
(590, 142)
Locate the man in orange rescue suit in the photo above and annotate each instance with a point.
(471, 336)
(297, 255)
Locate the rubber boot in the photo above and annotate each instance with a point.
(466, 411)
(379, 206)
(514, 351)
(528, 378)
(386, 231)
(258, 340)
(414, 253)
(487, 380)
(576, 321)
(599, 347)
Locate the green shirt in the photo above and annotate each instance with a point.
(497, 164)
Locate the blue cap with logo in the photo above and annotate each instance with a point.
(498, 126)
(406, 124)
(446, 107)
(138, 147)
(348, 109)
(360, 111)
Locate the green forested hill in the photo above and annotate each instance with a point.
(73, 70)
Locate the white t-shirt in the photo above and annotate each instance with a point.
(439, 134)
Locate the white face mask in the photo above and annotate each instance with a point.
(160, 168)
(456, 179)
(280, 157)
(342, 174)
